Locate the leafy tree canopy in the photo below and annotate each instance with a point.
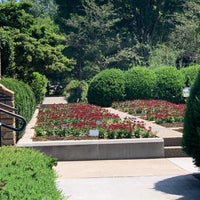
(37, 44)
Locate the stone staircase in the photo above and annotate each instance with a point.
(172, 142)
(173, 148)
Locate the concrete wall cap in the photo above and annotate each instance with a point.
(6, 91)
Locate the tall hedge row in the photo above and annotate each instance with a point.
(140, 83)
(24, 97)
(106, 87)
(164, 83)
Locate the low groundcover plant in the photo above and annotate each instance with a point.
(77, 119)
(159, 111)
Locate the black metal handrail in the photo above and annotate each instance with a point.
(7, 106)
(11, 127)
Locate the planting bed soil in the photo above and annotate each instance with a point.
(54, 138)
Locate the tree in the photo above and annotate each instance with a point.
(37, 44)
(91, 37)
(42, 8)
(186, 38)
(191, 132)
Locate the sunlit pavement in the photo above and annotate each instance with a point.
(143, 179)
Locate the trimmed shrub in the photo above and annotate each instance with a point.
(106, 87)
(27, 174)
(190, 73)
(170, 83)
(77, 91)
(38, 83)
(191, 131)
(139, 83)
(24, 98)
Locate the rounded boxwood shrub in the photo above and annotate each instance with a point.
(106, 87)
(191, 131)
(190, 74)
(139, 83)
(169, 85)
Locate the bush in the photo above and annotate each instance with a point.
(106, 87)
(24, 97)
(170, 83)
(191, 131)
(38, 83)
(27, 174)
(190, 74)
(77, 91)
(139, 83)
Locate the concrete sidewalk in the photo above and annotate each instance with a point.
(138, 179)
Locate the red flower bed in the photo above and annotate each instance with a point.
(77, 119)
(159, 111)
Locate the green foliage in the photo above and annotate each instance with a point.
(162, 55)
(185, 36)
(77, 91)
(170, 83)
(33, 45)
(191, 132)
(38, 83)
(24, 97)
(140, 83)
(93, 26)
(190, 74)
(106, 87)
(27, 174)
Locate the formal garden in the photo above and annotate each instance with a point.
(133, 63)
(150, 95)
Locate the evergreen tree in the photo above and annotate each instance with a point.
(191, 133)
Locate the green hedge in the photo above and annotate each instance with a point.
(24, 97)
(106, 87)
(191, 131)
(170, 83)
(140, 83)
(38, 83)
(190, 74)
(27, 174)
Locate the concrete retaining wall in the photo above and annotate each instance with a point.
(100, 149)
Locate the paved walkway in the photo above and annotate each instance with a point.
(136, 179)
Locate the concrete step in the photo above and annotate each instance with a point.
(174, 151)
(172, 141)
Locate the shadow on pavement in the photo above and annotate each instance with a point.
(186, 186)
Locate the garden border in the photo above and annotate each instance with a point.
(94, 149)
